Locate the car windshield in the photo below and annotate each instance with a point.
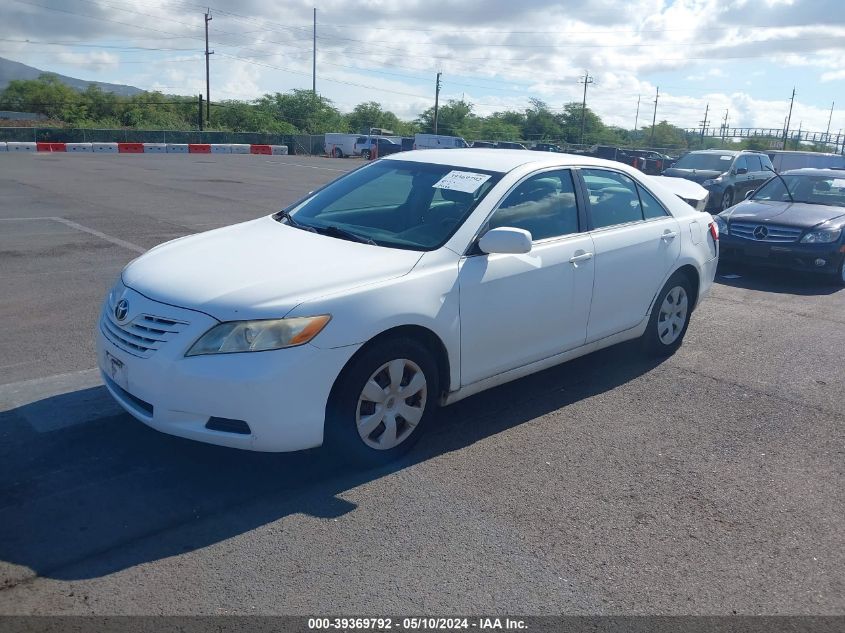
(826, 190)
(819, 161)
(707, 162)
(400, 204)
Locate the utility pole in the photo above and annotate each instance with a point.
(314, 59)
(654, 118)
(788, 118)
(637, 117)
(199, 112)
(704, 123)
(207, 76)
(829, 119)
(436, 99)
(586, 80)
(725, 125)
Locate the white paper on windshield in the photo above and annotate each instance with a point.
(726, 157)
(466, 181)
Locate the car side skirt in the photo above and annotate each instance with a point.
(540, 365)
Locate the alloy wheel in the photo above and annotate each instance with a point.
(727, 199)
(391, 404)
(672, 316)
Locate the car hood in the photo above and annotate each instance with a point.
(259, 269)
(696, 175)
(795, 214)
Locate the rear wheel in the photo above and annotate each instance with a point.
(382, 401)
(669, 317)
(365, 154)
(338, 153)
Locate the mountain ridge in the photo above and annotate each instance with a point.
(11, 70)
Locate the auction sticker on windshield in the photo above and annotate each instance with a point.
(726, 157)
(466, 181)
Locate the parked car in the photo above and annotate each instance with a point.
(483, 144)
(412, 282)
(438, 141)
(787, 160)
(727, 175)
(340, 145)
(796, 220)
(547, 147)
(509, 145)
(364, 145)
(650, 161)
(385, 147)
(407, 143)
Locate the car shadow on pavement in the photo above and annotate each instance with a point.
(774, 280)
(96, 498)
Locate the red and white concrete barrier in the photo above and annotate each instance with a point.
(146, 148)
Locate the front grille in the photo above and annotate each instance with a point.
(141, 336)
(775, 233)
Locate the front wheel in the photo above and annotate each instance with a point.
(382, 401)
(669, 317)
(839, 275)
(727, 199)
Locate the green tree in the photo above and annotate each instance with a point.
(309, 113)
(454, 118)
(539, 122)
(570, 123)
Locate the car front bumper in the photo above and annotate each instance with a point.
(281, 395)
(792, 255)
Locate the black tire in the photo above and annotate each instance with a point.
(838, 277)
(338, 153)
(341, 429)
(653, 344)
(727, 199)
(365, 154)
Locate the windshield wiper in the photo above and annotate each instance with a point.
(298, 225)
(336, 231)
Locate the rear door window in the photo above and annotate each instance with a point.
(614, 198)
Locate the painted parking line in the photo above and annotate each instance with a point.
(60, 401)
(85, 229)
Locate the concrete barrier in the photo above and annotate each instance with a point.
(104, 148)
(16, 146)
(240, 148)
(199, 148)
(260, 149)
(130, 148)
(50, 147)
(3, 146)
(279, 150)
(177, 148)
(221, 148)
(155, 148)
(78, 147)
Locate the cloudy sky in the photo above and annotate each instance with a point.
(743, 56)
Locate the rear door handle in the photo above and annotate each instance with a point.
(580, 258)
(668, 236)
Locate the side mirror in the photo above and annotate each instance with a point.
(748, 194)
(741, 170)
(506, 239)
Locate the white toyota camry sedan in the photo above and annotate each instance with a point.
(408, 284)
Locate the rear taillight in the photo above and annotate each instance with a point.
(714, 231)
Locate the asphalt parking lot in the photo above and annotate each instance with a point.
(711, 482)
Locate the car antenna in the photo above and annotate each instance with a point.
(785, 186)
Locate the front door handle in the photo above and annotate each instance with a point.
(581, 257)
(668, 236)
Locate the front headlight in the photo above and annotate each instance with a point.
(712, 181)
(722, 224)
(822, 236)
(258, 336)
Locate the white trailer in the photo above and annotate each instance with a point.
(340, 145)
(438, 141)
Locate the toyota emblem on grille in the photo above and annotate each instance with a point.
(761, 232)
(121, 309)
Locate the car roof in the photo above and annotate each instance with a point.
(732, 152)
(500, 160)
(815, 171)
(801, 152)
